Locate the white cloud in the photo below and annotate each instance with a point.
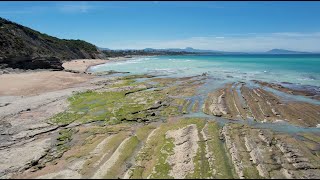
(253, 42)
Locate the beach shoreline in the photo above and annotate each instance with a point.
(76, 65)
(34, 82)
(121, 59)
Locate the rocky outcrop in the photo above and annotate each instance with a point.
(186, 146)
(289, 88)
(23, 157)
(235, 156)
(215, 104)
(294, 156)
(265, 138)
(103, 170)
(32, 62)
(268, 155)
(209, 154)
(261, 104)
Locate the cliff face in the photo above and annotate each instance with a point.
(24, 48)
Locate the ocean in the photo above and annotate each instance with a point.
(296, 69)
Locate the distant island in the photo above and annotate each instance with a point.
(284, 51)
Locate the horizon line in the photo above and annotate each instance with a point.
(218, 51)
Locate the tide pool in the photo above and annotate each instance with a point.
(296, 69)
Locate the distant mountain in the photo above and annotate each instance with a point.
(188, 49)
(25, 48)
(192, 50)
(201, 51)
(284, 51)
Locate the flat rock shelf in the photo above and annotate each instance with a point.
(148, 126)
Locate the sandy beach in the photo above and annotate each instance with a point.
(33, 83)
(37, 82)
(82, 65)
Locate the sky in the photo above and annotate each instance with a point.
(225, 26)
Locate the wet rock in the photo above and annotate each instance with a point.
(233, 152)
(265, 138)
(215, 104)
(204, 74)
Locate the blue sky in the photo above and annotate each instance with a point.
(228, 26)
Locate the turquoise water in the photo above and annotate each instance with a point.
(296, 69)
(299, 69)
(277, 127)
